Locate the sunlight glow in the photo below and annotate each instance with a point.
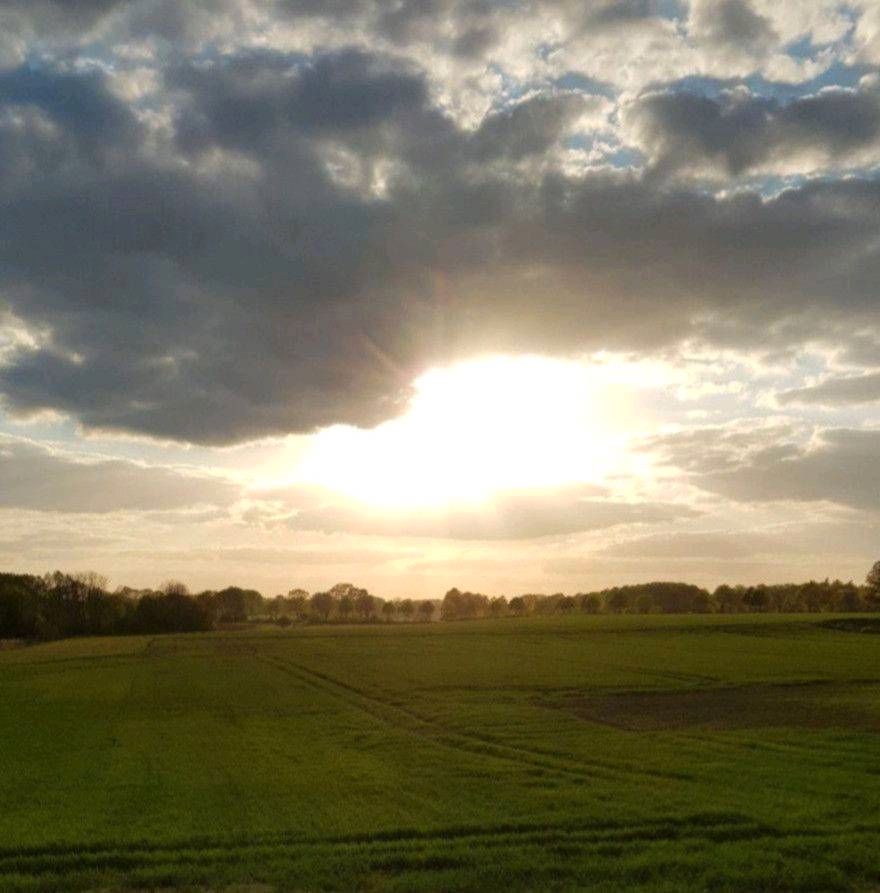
(477, 428)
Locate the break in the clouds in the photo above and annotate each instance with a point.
(232, 221)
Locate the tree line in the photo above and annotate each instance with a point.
(662, 597)
(59, 605)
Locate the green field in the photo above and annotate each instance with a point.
(665, 753)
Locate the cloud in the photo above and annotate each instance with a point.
(283, 229)
(54, 125)
(289, 557)
(836, 391)
(250, 101)
(838, 465)
(866, 36)
(726, 545)
(463, 42)
(732, 25)
(35, 477)
(530, 127)
(50, 543)
(48, 16)
(66, 26)
(310, 237)
(740, 133)
(511, 516)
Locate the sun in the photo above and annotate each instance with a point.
(474, 429)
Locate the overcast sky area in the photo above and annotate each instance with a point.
(515, 296)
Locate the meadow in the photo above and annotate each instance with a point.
(654, 752)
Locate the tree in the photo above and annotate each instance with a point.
(458, 605)
(342, 589)
(591, 604)
(451, 607)
(848, 599)
(105, 614)
(322, 604)
(345, 606)
(426, 610)
(21, 601)
(174, 587)
(407, 608)
(365, 604)
(617, 601)
(64, 612)
(172, 612)
(389, 609)
(234, 603)
(498, 606)
(644, 603)
(299, 603)
(872, 588)
(702, 603)
(755, 598)
(728, 599)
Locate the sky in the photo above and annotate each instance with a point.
(509, 295)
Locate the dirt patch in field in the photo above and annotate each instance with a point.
(808, 706)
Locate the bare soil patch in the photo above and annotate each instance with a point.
(805, 706)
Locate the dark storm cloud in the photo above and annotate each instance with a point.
(38, 478)
(739, 132)
(839, 466)
(838, 391)
(511, 516)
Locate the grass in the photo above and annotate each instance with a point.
(659, 753)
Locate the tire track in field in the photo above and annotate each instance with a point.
(409, 720)
(208, 851)
(821, 752)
